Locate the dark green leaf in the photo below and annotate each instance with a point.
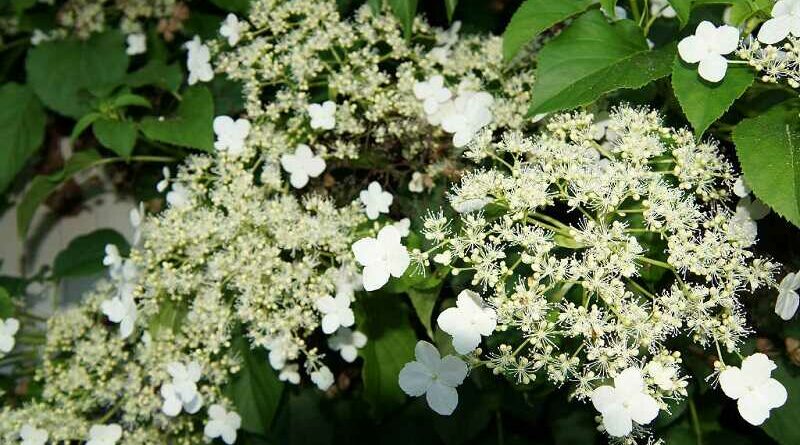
(683, 8)
(782, 422)
(535, 16)
(424, 301)
(158, 73)
(22, 122)
(83, 123)
(6, 304)
(609, 6)
(240, 6)
(130, 100)
(84, 254)
(191, 126)
(450, 6)
(255, 390)
(405, 11)
(119, 136)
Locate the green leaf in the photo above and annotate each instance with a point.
(424, 300)
(22, 122)
(593, 57)
(191, 126)
(6, 304)
(158, 73)
(375, 6)
(83, 123)
(609, 6)
(240, 6)
(62, 72)
(782, 422)
(130, 100)
(84, 254)
(768, 148)
(683, 8)
(255, 390)
(535, 16)
(450, 6)
(42, 185)
(405, 11)
(704, 102)
(119, 136)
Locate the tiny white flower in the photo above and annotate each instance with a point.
(443, 258)
(136, 217)
(445, 39)
(232, 29)
(30, 435)
(434, 376)
(122, 310)
(382, 257)
(347, 282)
(322, 116)
(38, 37)
(164, 183)
(417, 183)
(112, 259)
(323, 378)
(785, 20)
(469, 113)
(336, 312)
(198, 61)
(8, 329)
(179, 195)
(707, 46)
(788, 299)
(222, 423)
(468, 321)
(432, 93)
(347, 342)
(302, 165)
(231, 134)
(752, 387)
(104, 434)
(137, 44)
(403, 227)
(290, 374)
(624, 403)
(470, 205)
(375, 200)
(663, 376)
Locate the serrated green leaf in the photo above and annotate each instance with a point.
(592, 58)
(683, 8)
(158, 73)
(450, 6)
(255, 389)
(22, 122)
(535, 16)
(704, 102)
(119, 136)
(84, 255)
(405, 11)
(782, 422)
(768, 148)
(190, 127)
(6, 304)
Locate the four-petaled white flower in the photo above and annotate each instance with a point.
(752, 387)
(347, 342)
(232, 29)
(375, 200)
(432, 93)
(121, 309)
(624, 403)
(470, 112)
(336, 312)
(785, 20)
(178, 197)
(302, 165)
(434, 376)
(322, 116)
(381, 257)
(30, 435)
(8, 329)
(231, 134)
(181, 393)
(788, 299)
(445, 39)
(323, 378)
(222, 423)
(104, 434)
(137, 44)
(198, 61)
(290, 374)
(280, 349)
(164, 183)
(468, 321)
(707, 46)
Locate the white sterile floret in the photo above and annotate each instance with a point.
(663, 376)
(403, 227)
(162, 185)
(707, 46)
(222, 423)
(30, 435)
(290, 373)
(752, 387)
(179, 196)
(468, 321)
(470, 112)
(112, 259)
(347, 342)
(232, 29)
(198, 61)
(323, 116)
(434, 376)
(662, 8)
(231, 134)
(788, 299)
(382, 257)
(104, 434)
(302, 165)
(785, 20)
(740, 187)
(432, 93)
(181, 393)
(323, 378)
(136, 217)
(624, 403)
(122, 310)
(137, 44)
(336, 312)
(375, 200)
(8, 329)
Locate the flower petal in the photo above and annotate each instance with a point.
(442, 399)
(452, 371)
(732, 383)
(753, 410)
(713, 68)
(375, 276)
(617, 422)
(415, 378)
(774, 30)
(642, 408)
(428, 355)
(691, 50)
(757, 368)
(603, 397)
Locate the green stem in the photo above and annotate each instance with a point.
(695, 421)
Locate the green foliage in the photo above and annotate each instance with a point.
(535, 16)
(157, 73)
(424, 301)
(239, 6)
(84, 255)
(594, 57)
(704, 102)
(22, 122)
(683, 9)
(769, 152)
(405, 10)
(782, 422)
(450, 6)
(609, 7)
(191, 125)
(117, 135)
(6, 304)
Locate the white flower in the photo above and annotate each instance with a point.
(290, 374)
(785, 20)
(788, 299)
(231, 134)
(137, 44)
(8, 329)
(112, 259)
(434, 376)
(375, 200)
(178, 196)
(30, 435)
(445, 39)
(663, 376)
(104, 434)
(121, 309)
(707, 46)
(38, 37)
(198, 61)
(740, 187)
(322, 116)
(403, 227)
(222, 423)
(280, 349)
(662, 8)
(347, 342)
(624, 403)
(336, 312)
(756, 392)
(470, 205)
(181, 393)
(302, 165)
(381, 257)
(323, 378)
(136, 217)
(347, 282)
(432, 93)
(468, 321)
(232, 29)
(443, 258)
(468, 114)
(164, 183)
(417, 183)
